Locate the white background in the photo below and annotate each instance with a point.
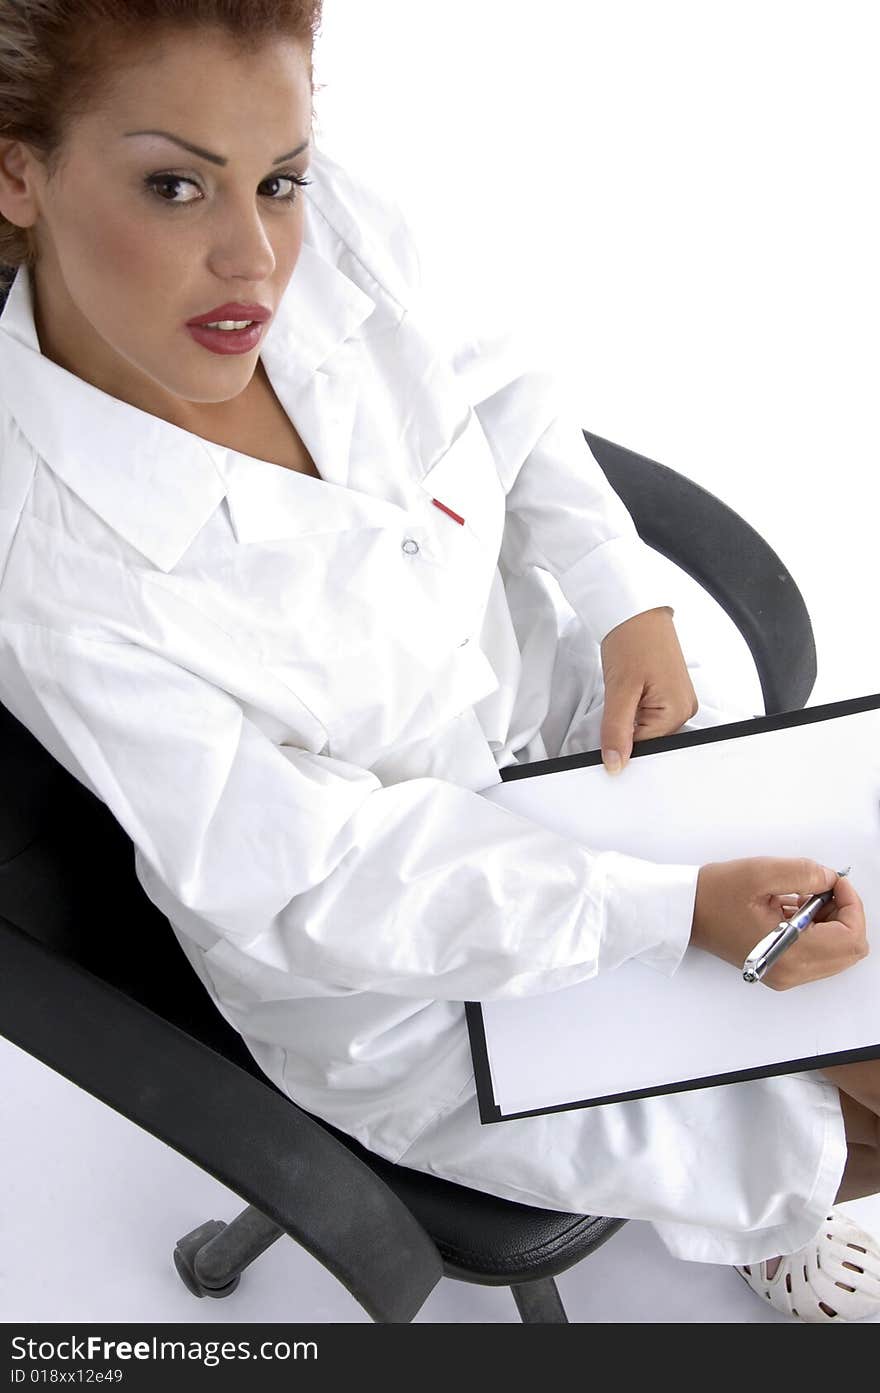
(677, 200)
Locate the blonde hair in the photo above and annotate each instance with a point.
(58, 59)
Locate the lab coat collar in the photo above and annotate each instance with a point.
(157, 484)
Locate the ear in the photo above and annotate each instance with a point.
(18, 200)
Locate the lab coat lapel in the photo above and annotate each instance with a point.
(313, 358)
(268, 503)
(322, 407)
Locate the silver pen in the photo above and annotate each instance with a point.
(774, 944)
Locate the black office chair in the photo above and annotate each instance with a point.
(138, 1030)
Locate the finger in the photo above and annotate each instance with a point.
(789, 903)
(655, 721)
(811, 877)
(781, 904)
(845, 894)
(841, 938)
(618, 726)
(844, 914)
(846, 906)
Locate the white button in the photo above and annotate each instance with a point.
(410, 546)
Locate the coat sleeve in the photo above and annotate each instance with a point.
(309, 864)
(562, 514)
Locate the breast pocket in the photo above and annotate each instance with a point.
(381, 639)
(466, 509)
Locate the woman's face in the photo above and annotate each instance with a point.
(136, 235)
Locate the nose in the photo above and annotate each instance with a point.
(242, 248)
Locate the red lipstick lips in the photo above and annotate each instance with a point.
(230, 340)
(233, 311)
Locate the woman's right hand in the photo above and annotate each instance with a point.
(738, 902)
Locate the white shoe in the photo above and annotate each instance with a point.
(836, 1276)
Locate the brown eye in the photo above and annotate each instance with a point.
(154, 181)
(290, 177)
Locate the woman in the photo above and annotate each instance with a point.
(280, 600)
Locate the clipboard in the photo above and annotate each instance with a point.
(522, 1047)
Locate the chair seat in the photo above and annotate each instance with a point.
(481, 1237)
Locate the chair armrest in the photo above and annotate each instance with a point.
(729, 559)
(243, 1132)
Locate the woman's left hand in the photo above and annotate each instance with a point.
(648, 690)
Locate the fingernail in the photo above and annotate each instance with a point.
(612, 761)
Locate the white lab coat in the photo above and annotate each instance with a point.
(290, 692)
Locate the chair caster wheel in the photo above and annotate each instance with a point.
(185, 1256)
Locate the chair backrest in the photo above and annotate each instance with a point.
(67, 878)
(31, 779)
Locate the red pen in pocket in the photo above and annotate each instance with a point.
(438, 504)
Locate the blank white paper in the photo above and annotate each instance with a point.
(808, 790)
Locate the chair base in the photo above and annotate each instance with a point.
(539, 1302)
(211, 1258)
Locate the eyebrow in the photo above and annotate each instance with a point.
(206, 154)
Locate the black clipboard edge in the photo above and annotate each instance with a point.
(492, 1113)
(755, 725)
(489, 1109)
(752, 725)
